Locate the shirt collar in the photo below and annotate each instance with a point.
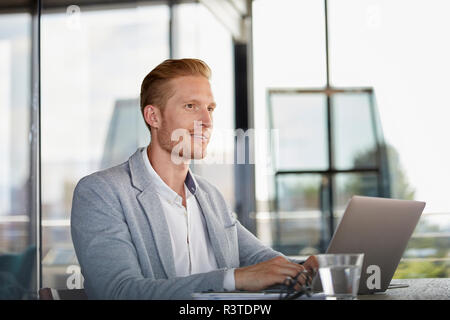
(190, 184)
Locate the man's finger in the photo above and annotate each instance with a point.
(312, 263)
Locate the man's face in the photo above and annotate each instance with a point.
(187, 118)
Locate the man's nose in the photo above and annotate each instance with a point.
(206, 118)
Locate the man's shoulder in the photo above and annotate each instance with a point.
(117, 175)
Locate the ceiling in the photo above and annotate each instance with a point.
(233, 14)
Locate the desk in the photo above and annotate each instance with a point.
(419, 289)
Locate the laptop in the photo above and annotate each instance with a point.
(380, 228)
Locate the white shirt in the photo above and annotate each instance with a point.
(192, 250)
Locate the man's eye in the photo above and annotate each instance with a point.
(189, 106)
(211, 109)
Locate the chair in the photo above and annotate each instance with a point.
(64, 294)
(15, 274)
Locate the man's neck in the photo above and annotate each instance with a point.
(172, 174)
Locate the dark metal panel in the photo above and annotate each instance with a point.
(172, 23)
(64, 3)
(244, 173)
(326, 91)
(330, 129)
(330, 177)
(35, 135)
(10, 6)
(330, 171)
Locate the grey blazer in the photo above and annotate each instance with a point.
(122, 240)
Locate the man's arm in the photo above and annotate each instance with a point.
(107, 255)
(261, 266)
(251, 249)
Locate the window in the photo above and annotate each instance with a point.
(15, 102)
(304, 149)
(405, 68)
(355, 137)
(327, 147)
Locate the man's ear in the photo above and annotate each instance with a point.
(152, 116)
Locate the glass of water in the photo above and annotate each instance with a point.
(339, 274)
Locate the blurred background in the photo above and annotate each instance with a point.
(346, 97)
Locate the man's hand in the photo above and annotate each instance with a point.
(270, 272)
(312, 265)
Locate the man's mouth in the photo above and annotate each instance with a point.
(200, 137)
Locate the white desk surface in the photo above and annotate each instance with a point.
(419, 289)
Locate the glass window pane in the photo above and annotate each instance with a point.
(354, 136)
(299, 229)
(15, 72)
(289, 44)
(92, 69)
(300, 138)
(126, 132)
(347, 185)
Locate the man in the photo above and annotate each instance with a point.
(149, 228)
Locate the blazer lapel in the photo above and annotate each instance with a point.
(215, 230)
(151, 204)
(160, 230)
